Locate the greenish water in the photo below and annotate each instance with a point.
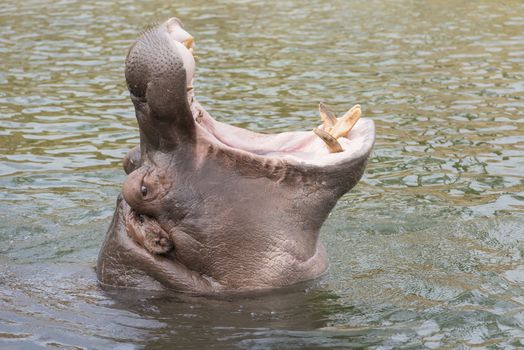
(426, 252)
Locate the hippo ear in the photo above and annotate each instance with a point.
(156, 78)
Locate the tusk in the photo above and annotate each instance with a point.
(334, 127)
(331, 142)
(328, 117)
(346, 122)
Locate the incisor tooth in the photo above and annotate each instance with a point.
(331, 142)
(347, 122)
(328, 117)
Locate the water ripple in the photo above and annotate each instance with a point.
(425, 252)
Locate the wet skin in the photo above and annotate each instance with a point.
(209, 208)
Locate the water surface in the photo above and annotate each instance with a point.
(426, 252)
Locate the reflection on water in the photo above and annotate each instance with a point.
(425, 252)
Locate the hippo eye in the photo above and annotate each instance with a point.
(143, 190)
(141, 218)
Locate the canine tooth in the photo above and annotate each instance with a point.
(328, 117)
(346, 122)
(331, 142)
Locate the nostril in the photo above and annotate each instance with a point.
(143, 190)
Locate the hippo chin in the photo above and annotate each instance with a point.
(209, 208)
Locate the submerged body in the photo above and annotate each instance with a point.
(210, 208)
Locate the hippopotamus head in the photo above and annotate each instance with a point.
(210, 208)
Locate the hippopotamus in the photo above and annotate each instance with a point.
(208, 208)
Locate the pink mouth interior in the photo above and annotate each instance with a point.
(298, 146)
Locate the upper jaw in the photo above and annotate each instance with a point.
(300, 148)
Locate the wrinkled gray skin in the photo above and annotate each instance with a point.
(199, 216)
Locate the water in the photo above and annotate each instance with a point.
(426, 252)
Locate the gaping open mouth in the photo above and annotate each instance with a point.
(327, 153)
(335, 141)
(209, 208)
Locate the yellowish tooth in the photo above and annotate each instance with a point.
(334, 128)
(346, 122)
(331, 142)
(328, 117)
(188, 43)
